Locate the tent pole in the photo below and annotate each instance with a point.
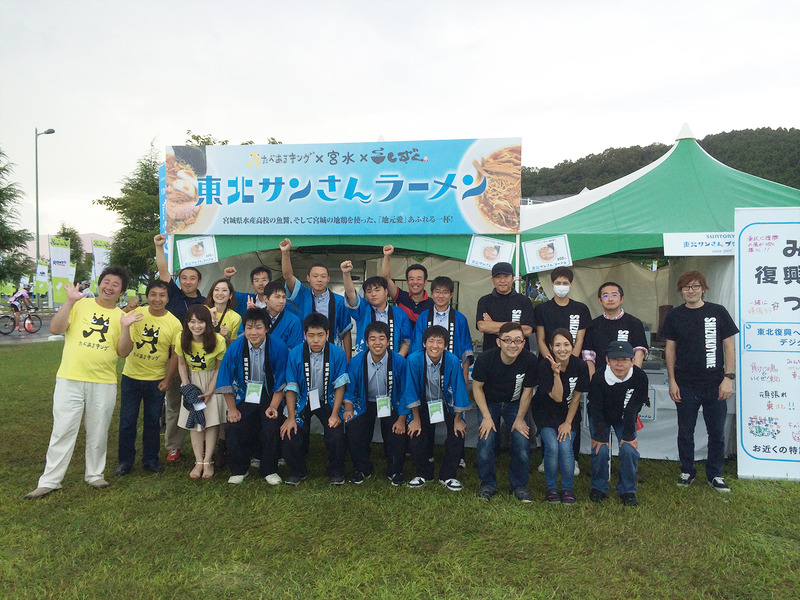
(516, 252)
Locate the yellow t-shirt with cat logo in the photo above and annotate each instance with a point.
(152, 337)
(199, 359)
(90, 343)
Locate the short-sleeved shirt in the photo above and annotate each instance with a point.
(233, 322)
(199, 359)
(152, 338)
(412, 308)
(574, 317)
(504, 308)
(502, 382)
(546, 411)
(698, 334)
(603, 331)
(179, 302)
(90, 343)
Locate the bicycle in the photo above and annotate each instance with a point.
(27, 322)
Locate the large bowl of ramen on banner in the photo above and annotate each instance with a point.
(490, 178)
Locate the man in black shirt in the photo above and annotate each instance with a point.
(700, 356)
(613, 325)
(502, 306)
(616, 395)
(180, 299)
(503, 381)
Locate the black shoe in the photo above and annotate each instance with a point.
(357, 477)
(685, 479)
(596, 495)
(629, 499)
(337, 480)
(522, 495)
(552, 496)
(485, 492)
(397, 479)
(152, 467)
(294, 479)
(123, 469)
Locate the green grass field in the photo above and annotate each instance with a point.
(166, 536)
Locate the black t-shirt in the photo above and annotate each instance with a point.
(502, 382)
(698, 334)
(504, 308)
(546, 411)
(614, 404)
(179, 302)
(574, 317)
(603, 331)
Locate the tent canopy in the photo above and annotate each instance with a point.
(684, 191)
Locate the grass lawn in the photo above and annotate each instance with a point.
(166, 536)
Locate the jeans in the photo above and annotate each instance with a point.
(131, 392)
(628, 461)
(558, 456)
(518, 470)
(714, 414)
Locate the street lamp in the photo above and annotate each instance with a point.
(45, 132)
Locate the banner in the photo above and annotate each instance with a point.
(699, 244)
(485, 252)
(59, 267)
(406, 188)
(40, 285)
(546, 254)
(196, 251)
(768, 309)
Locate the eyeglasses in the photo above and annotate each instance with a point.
(261, 280)
(513, 341)
(607, 296)
(694, 287)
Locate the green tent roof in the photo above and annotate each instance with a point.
(684, 191)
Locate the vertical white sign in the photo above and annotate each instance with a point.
(768, 310)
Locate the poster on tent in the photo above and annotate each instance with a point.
(196, 251)
(485, 252)
(40, 281)
(59, 268)
(101, 251)
(398, 188)
(768, 310)
(546, 254)
(712, 243)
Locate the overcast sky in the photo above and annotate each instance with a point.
(571, 78)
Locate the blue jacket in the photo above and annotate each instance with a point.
(301, 301)
(231, 370)
(362, 313)
(461, 343)
(296, 378)
(455, 392)
(289, 330)
(356, 389)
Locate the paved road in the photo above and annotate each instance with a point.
(25, 338)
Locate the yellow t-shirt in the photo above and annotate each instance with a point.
(232, 321)
(90, 343)
(152, 337)
(199, 360)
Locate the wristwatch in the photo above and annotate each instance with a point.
(730, 375)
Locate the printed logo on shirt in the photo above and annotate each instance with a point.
(622, 335)
(628, 395)
(710, 325)
(516, 315)
(574, 325)
(149, 336)
(98, 325)
(517, 386)
(198, 360)
(573, 381)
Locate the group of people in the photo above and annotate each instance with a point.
(246, 374)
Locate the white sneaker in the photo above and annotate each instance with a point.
(236, 479)
(541, 467)
(462, 464)
(255, 463)
(281, 462)
(454, 485)
(273, 479)
(577, 470)
(417, 482)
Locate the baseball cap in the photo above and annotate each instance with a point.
(619, 350)
(502, 268)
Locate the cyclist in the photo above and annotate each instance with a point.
(20, 297)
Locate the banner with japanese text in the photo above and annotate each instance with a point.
(59, 267)
(398, 188)
(768, 309)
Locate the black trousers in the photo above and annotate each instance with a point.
(420, 446)
(254, 433)
(358, 436)
(296, 447)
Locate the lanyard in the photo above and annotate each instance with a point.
(268, 378)
(331, 316)
(390, 320)
(451, 325)
(441, 381)
(389, 375)
(326, 369)
(273, 325)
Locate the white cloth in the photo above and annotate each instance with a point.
(70, 400)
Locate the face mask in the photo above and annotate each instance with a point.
(561, 290)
